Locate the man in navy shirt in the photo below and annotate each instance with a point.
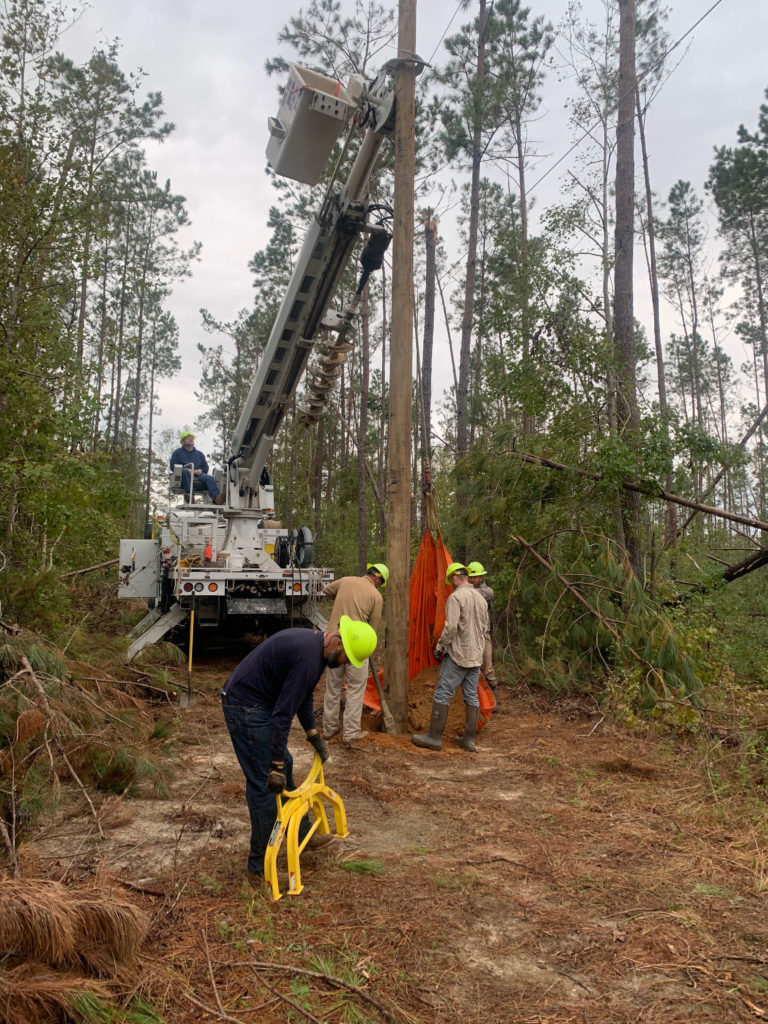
(188, 456)
(272, 684)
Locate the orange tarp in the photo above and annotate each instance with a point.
(428, 594)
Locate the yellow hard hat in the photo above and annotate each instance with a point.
(186, 433)
(476, 569)
(381, 569)
(359, 640)
(454, 567)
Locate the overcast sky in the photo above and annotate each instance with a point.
(207, 59)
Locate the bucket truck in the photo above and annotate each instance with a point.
(234, 564)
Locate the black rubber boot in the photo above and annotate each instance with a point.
(433, 740)
(467, 741)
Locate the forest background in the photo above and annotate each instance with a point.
(601, 583)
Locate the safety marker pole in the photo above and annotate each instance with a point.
(189, 662)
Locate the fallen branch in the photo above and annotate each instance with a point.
(568, 586)
(291, 1002)
(259, 965)
(134, 887)
(647, 488)
(125, 682)
(210, 969)
(91, 568)
(83, 790)
(719, 476)
(42, 697)
(213, 1012)
(592, 611)
(13, 861)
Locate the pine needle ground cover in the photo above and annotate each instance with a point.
(574, 870)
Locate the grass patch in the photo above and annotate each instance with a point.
(715, 891)
(364, 867)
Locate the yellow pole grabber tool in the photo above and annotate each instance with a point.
(292, 805)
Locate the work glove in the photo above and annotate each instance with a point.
(438, 654)
(317, 741)
(276, 780)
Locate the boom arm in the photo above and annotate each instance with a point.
(327, 249)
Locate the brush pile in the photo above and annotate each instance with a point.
(58, 725)
(64, 951)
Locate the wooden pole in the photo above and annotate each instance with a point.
(400, 363)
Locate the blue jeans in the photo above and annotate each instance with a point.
(453, 676)
(204, 482)
(249, 727)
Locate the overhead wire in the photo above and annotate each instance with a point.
(450, 271)
(611, 109)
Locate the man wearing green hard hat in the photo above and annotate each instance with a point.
(194, 473)
(460, 651)
(358, 597)
(477, 577)
(269, 686)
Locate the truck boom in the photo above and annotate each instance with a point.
(236, 561)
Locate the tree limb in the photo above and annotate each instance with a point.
(91, 568)
(259, 965)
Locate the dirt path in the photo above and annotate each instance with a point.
(571, 871)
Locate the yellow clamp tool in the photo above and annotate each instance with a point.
(292, 805)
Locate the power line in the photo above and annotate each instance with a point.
(459, 5)
(647, 71)
(579, 141)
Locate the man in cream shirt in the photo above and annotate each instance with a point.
(359, 598)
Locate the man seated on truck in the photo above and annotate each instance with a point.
(189, 457)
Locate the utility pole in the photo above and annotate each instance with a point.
(400, 375)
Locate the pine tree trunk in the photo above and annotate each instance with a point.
(382, 474)
(462, 397)
(362, 432)
(624, 327)
(670, 516)
(430, 274)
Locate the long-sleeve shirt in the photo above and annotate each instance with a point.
(355, 596)
(466, 627)
(281, 673)
(182, 457)
(485, 591)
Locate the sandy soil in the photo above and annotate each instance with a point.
(571, 871)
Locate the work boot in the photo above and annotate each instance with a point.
(433, 740)
(356, 741)
(219, 499)
(467, 741)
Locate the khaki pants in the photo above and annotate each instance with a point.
(353, 711)
(486, 669)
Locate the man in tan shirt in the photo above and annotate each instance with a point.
(477, 578)
(460, 648)
(359, 598)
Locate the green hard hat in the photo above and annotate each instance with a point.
(476, 569)
(186, 433)
(454, 567)
(359, 640)
(381, 569)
